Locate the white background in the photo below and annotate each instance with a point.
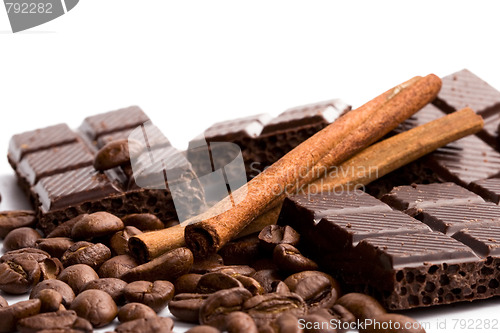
(190, 64)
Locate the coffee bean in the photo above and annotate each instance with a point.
(279, 287)
(187, 283)
(344, 315)
(240, 322)
(273, 235)
(68, 295)
(287, 323)
(207, 264)
(77, 276)
(96, 225)
(21, 238)
(217, 306)
(393, 323)
(14, 219)
(146, 325)
(235, 269)
(51, 300)
(65, 319)
(64, 229)
(54, 246)
(116, 153)
(289, 258)
(3, 302)
(250, 284)
(266, 308)
(114, 287)
(119, 241)
(143, 222)
(317, 291)
(32, 253)
(93, 255)
(293, 280)
(212, 282)
(169, 266)
(10, 315)
(133, 311)
(156, 294)
(361, 306)
(266, 328)
(96, 306)
(19, 274)
(50, 268)
(266, 278)
(245, 250)
(187, 306)
(117, 266)
(203, 329)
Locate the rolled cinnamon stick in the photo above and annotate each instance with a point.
(349, 134)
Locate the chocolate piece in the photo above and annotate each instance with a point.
(411, 199)
(43, 138)
(113, 121)
(484, 239)
(489, 189)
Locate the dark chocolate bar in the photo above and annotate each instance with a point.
(395, 257)
(489, 189)
(55, 168)
(263, 140)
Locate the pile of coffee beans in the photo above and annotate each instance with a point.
(82, 276)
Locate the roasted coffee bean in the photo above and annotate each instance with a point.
(187, 306)
(96, 306)
(217, 306)
(64, 229)
(392, 323)
(19, 274)
(266, 328)
(35, 254)
(51, 300)
(242, 251)
(169, 266)
(117, 266)
(65, 319)
(146, 325)
(203, 329)
(266, 278)
(93, 255)
(238, 321)
(207, 264)
(344, 315)
(50, 268)
(54, 246)
(68, 295)
(279, 287)
(3, 302)
(14, 219)
(156, 294)
(116, 153)
(21, 238)
(133, 311)
(10, 315)
(235, 269)
(77, 276)
(289, 258)
(314, 323)
(187, 283)
(293, 280)
(317, 291)
(266, 308)
(114, 287)
(144, 222)
(250, 284)
(361, 306)
(273, 235)
(119, 241)
(287, 323)
(96, 225)
(212, 282)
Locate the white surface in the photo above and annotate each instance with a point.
(190, 64)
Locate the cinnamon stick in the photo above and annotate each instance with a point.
(347, 135)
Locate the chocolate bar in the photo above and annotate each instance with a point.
(489, 189)
(54, 166)
(264, 140)
(395, 257)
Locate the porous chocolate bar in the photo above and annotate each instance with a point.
(55, 168)
(262, 139)
(393, 256)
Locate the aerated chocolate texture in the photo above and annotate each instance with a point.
(54, 166)
(264, 140)
(447, 256)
